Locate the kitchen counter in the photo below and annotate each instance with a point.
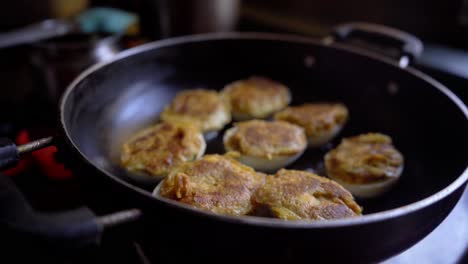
(448, 243)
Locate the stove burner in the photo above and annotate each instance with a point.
(43, 158)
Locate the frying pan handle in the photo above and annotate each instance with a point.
(35, 32)
(67, 230)
(410, 47)
(10, 152)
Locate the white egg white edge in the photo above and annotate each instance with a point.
(370, 190)
(216, 122)
(147, 179)
(260, 163)
(323, 138)
(268, 165)
(157, 189)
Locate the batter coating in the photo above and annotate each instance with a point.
(215, 183)
(366, 164)
(255, 97)
(266, 145)
(301, 195)
(321, 121)
(157, 149)
(202, 108)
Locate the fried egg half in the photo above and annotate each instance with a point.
(265, 146)
(367, 165)
(321, 121)
(151, 153)
(214, 183)
(202, 108)
(301, 195)
(255, 98)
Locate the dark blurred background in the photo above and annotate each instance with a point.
(444, 22)
(34, 75)
(438, 21)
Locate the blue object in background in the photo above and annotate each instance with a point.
(106, 20)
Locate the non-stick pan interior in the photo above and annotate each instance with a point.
(109, 104)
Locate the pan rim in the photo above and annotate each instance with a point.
(271, 222)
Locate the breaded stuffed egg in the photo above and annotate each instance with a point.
(301, 195)
(321, 121)
(214, 183)
(202, 108)
(255, 98)
(367, 165)
(151, 153)
(265, 146)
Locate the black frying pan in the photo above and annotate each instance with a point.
(428, 123)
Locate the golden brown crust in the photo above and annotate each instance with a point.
(317, 118)
(157, 149)
(300, 195)
(364, 158)
(215, 183)
(256, 97)
(199, 107)
(267, 139)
